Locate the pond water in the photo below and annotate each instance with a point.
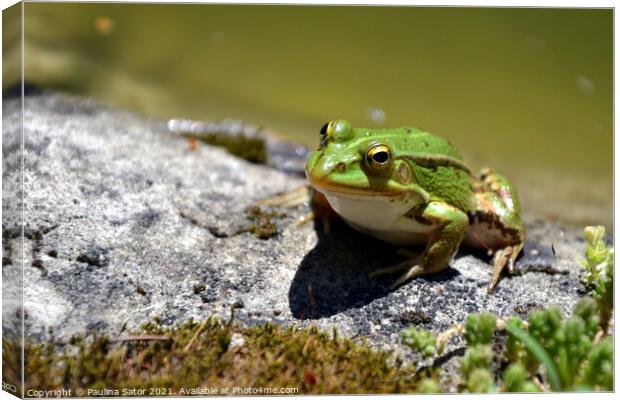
(527, 91)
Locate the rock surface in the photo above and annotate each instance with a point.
(124, 222)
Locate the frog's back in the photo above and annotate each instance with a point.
(437, 165)
(407, 140)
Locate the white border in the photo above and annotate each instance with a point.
(456, 3)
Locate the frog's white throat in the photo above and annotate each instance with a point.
(382, 216)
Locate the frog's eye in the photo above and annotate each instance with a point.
(324, 129)
(341, 130)
(379, 158)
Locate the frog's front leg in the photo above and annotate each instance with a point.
(495, 223)
(449, 226)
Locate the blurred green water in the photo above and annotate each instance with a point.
(528, 91)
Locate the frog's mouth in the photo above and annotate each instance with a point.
(330, 188)
(330, 176)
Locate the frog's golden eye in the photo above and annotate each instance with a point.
(340, 130)
(379, 158)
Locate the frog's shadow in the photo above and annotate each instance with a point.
(333, 276)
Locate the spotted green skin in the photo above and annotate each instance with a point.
(452, 205)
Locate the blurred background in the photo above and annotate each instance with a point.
(527, 91)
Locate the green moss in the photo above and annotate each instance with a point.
(11, 365)
(270, 356)
(429, 385)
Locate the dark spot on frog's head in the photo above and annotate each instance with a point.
(408, 130)
(425, 143)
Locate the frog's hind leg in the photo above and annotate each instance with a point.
(405, 265)
(495, 224)
(449, 227)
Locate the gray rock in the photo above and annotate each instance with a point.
(125, 223)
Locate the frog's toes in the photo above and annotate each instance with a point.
(502, 258)
(414, 271)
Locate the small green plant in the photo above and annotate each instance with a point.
(515, 379)
(598, 255)
(587, 310)
(428, 385)
(420, 340)
(573, 353)
(476, 364)
(567, 349)
(480, 380)
(479, 356)
(479, 328)
(598, 371)
(515, 350)
(599, 272)
(536, 353)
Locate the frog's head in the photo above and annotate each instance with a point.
(357, 161)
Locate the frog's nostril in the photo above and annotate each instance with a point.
(340, 167)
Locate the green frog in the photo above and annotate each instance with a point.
(406, 186)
